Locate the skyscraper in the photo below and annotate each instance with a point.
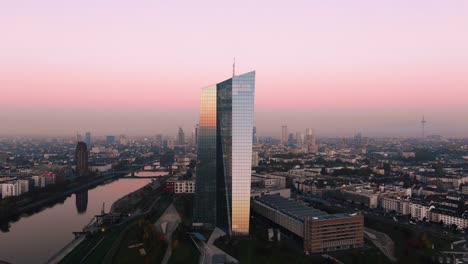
(224, 162)
(110, 140)
(310, 140)
(78, 137)
(88, 139)
(81, 159)
(299, 138)
(181, 136)
(254, 135)
(197, 129)
(284, 134)
(310, 137)
(158, 140)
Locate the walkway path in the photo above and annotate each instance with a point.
(208, 250)
(382, 241)
(167, 224)
(66, 250)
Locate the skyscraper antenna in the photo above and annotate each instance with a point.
(234, 67)
(423, 124)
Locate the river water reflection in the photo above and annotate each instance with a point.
(36, 238)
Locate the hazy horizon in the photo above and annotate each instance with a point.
(339, 67)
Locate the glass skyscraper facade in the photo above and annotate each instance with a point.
(224, 162)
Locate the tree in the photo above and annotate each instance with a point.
(167, 158)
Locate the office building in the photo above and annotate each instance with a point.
(88, 139)
(299, 138)
(159, 141)
(310, 141)
(197, 129)
(123, 140)
(81, 159)
(321, 232)
(254, 136)
(180, 186)
(78, 137)
(255, 159)
(181, 137)
(110, 140)
(222, 196)
(284, 134)
(11, 189)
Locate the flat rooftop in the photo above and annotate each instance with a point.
(290, 207)
(297, 210)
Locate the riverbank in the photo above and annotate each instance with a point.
(145, 205)
(37, 206)
(137, 201)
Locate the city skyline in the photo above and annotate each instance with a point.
(347, 67)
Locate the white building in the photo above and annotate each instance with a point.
(449, 220)
(401, 206)
(39, 181)
(24, 186)
(184, 187)
(255, 159)
(419, 211)
(10, 189)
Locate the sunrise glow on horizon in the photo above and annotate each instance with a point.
(401, 59)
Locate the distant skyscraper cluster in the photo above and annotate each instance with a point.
(307, 141)
(224, 162)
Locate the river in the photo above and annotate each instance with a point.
(36, 238)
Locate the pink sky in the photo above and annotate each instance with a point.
(353, 62)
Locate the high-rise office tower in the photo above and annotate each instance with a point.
(78, 137)
(299, 138)
(310, 140)
(181, 136)
(81, 159)
(224, 164)
(254, 135)
(310, 137)
(284, 134)
(123, 140)
(88, 139)
(158, 141)
(358, 139)
(110, 140)
(197, 129)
